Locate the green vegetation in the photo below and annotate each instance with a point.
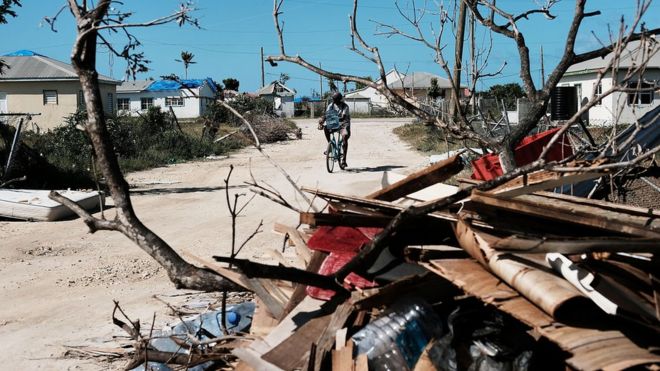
(62, 158)
(424, 138)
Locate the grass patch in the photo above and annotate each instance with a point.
(425, 138)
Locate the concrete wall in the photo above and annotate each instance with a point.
(606, 112)
(27, 97)
(192, 106)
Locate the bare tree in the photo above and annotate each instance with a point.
(7, 11)
(494, 19)
(91, 22)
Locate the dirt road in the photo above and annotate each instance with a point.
(57, 281)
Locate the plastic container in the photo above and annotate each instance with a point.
(396, 340)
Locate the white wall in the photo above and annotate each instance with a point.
(358, 105)
(605, 113)
(192, 106)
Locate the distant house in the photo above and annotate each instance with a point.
(414, 85)
(188, 98)
(632, 104)
(281, 96)
(358, 103)
(35, 83)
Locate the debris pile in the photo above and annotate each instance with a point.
(511, 278)
(421, 275)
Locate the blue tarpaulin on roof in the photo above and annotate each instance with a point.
(21, 53)
(305, 99)
(164, 85)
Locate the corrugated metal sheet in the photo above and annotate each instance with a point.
(591, 349)
(133, 86)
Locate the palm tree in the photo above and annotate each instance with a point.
(186, 59)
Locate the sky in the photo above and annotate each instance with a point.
(232, 33)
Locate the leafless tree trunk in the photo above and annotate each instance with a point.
(83, 58)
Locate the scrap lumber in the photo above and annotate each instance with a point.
(543, 180)
(419, 180)
(263, 321)
(299, 241)
(342, 357)
(591, 349)
(343, 219)
(300, 291)
(590, 216)
(432, 192)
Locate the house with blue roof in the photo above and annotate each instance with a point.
(37, 84)
(187, 98)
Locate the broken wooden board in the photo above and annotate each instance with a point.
(542, 180)
(433, 192)
(299, 240)
(307, 310)
(419, 180)
(591, 216)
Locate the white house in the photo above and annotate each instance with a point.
(46, 87)
(632, 105)
(188, 98)
(281, 96)
(358, 103)
(414, 85)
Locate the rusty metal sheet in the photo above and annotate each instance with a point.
(591, 349)
(547, 291)
(472, 278)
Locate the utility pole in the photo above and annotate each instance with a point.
(320, 83)
(460, 33)
(473, 62)
(542, 70)
(263, 77)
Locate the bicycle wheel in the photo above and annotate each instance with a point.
(330, 157)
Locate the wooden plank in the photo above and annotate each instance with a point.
(294, 351)
(274, 305)
(263, 321)
(299, 291)
(541, 180)
(342, 359)
(611, 206)
(362, 363)
(576, 214)
(340, 338)
(419, 180)
(343, 219)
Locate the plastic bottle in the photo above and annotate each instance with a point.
(396, 340)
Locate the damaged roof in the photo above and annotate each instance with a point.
(630, 56)
(25, 65)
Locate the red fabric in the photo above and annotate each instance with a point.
(330, 265)
(488, 167)
(337, 239)
(342, 243)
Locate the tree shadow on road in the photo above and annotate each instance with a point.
(372, 169)
(160, 191)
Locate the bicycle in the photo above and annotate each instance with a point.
(335, 146)
(334, 151)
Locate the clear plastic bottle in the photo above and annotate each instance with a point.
(396, 340)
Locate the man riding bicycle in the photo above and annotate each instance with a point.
(340, 108)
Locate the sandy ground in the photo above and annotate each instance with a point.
(58, 281)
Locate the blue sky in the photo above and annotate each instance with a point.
(233, 31)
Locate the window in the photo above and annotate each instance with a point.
(111, 103)
(598, 91)
(643, 95)
(146, 103)
(81, 100)
(50, 96)
(174, 102)
(123, 104)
